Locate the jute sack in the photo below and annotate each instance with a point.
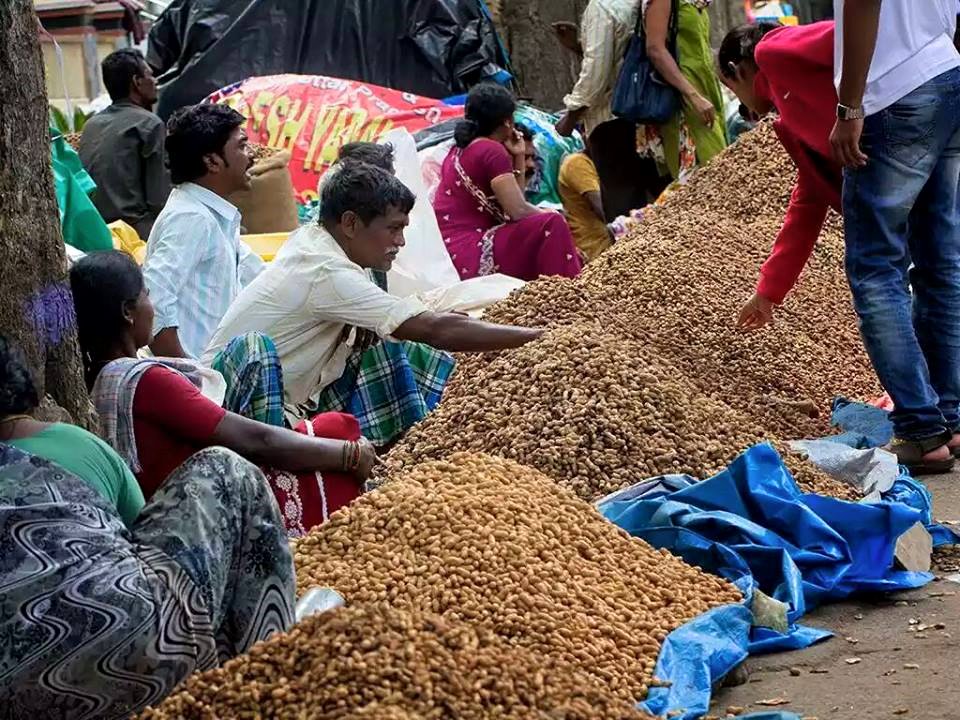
(269, 205)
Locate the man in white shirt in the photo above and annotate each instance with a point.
(898, 136)
(196, 264)
(627, 179)
(316, 299)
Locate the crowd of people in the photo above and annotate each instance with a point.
(241, 403)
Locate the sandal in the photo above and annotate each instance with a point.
(911, 453)
(955, 451)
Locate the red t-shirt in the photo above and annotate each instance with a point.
(796, 75)
(172, 420)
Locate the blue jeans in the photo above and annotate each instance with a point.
(902, 222)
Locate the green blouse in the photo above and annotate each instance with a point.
(90, 459)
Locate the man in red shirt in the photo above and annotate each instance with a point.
(789, 70)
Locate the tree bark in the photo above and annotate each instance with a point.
(545, 71)
(36, 308)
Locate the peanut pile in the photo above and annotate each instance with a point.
(644, 371)
(476, 588)
(590, 408)
(381, 663)
(491, 543)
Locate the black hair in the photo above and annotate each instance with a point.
(364, 189)
(18, 393)
(740, 43)
(195, 132)
(525, 131)
(488, 106)
(103, 285)
(381, 156)
(119, 68)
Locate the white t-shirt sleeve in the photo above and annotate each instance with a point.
(348, 296)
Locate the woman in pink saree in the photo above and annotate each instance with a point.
(486, 222)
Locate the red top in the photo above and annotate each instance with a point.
(172, 420)
(796, 75)
(462, 218)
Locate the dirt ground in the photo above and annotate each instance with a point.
(892, 657)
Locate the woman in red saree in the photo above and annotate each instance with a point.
(486, 222)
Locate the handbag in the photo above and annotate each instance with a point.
(641, 95)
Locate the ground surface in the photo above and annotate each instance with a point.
(877, 631)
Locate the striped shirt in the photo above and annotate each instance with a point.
(196, 265)
(605, 31)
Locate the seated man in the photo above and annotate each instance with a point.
(529, 159)
(321, 307)
(196, 264)
(583, 204)
(122, 147)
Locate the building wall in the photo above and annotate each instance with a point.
(75, 74)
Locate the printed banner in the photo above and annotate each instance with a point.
(313, 115)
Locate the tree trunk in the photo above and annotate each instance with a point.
(545, 71)
(36, 308)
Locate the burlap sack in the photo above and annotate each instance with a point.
(270, 205)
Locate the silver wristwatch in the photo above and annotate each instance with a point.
(845, 112)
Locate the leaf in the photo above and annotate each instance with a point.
(59, 120)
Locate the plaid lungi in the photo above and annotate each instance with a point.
(251, 366)
(389, 388)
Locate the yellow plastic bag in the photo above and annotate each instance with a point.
(126, 239)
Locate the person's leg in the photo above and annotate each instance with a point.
(537, 245)
(94, 625)
(627, 181)
(251, 366)
(935, 277)
(877, 200)
(217, 519)
(391, 394)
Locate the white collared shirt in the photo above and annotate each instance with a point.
(914, 45)
(605, 31)
(196, 264)
(307, 300)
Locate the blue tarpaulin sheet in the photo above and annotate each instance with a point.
(752, 525)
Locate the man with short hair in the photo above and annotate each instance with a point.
(122, 147)
(316, 298)
(196, 264)
(376, 154)
(898, 137)
(529, 155)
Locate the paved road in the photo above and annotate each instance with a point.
(877, 631)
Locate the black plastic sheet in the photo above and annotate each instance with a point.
(433, 48)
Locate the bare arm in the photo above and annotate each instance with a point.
(460, 333)
(861, 23)
(657, 24)
(167, 344)
(656, 20)
(596, 203)
(510, 196)
(285, 449)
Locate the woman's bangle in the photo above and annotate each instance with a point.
(351, 456)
